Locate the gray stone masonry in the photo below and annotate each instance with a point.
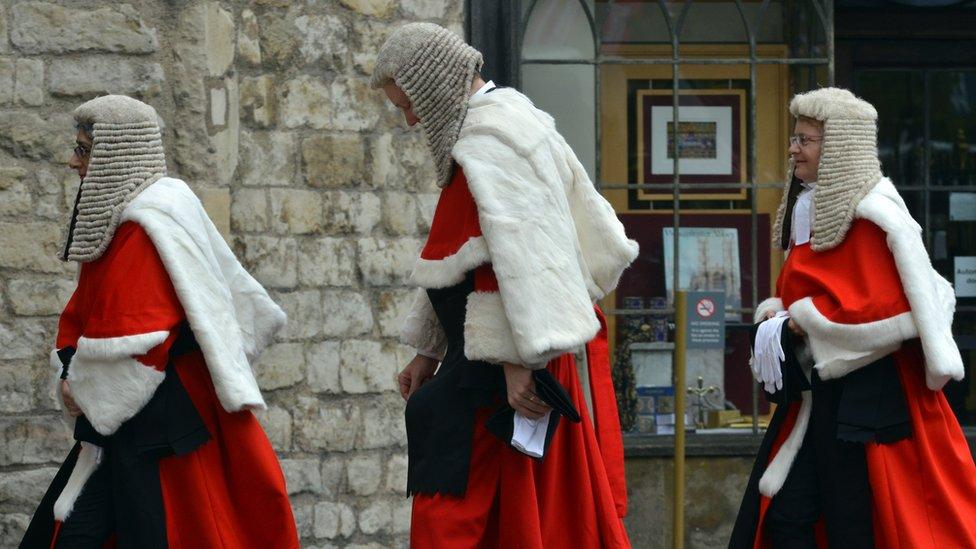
(313, 179)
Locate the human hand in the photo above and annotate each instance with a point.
(415, 374)
(796, 329)
(69, 401)
(521, 392)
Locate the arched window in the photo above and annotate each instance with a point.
(678, 111)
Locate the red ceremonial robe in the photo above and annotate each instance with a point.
(576, 495)
(229, 492)
(924, 487)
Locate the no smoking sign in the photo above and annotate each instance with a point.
(705, 307)
(705, 315)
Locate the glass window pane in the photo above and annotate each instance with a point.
(714, 254)
(547, 85)
(952, 127)
(633, 22)
(643, 22)
(899, 97)
(558, 29)
(953, 250)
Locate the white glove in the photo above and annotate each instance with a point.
(768, 354)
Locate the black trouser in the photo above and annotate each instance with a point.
(828, 479)
(92, 520)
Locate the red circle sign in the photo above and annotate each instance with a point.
(705, 308)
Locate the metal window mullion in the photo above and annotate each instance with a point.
(600, 60)
(753, 193)
(716, 186)
(927, 181)
(598, 95)
(829, 31)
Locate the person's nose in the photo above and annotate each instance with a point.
(794, 149)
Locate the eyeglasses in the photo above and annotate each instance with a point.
(803, 140)
(82, 152)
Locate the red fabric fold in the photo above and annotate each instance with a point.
(565, 500)
(228, 493)
(854, 283)
(455, 220)
(606, 418)
(924, 487)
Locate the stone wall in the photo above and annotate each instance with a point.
(312, 177)
(713, 491)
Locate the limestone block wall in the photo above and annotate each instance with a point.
(315, 181)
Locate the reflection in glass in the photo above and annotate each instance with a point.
(899, 97)
(644, 22)
(546, 86)
(952, 127)
(558, 29)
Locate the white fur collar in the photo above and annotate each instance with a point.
(554, 243)
(231, 314)
(931, 297)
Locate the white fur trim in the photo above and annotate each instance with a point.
(230, 313)
(88, 460)
(606, 250)
(422, 329)
(487, 333)
(864, 337)
(443, 273)
(770, 305)
(555, 243)
(839, 349)
(114, 348)
(108, 384)
(776, 472)
(931, 297)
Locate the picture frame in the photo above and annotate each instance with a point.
(711, 130)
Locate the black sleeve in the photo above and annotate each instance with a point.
(65, 356)
(872, 406)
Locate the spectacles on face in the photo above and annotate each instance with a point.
(804, 140)
(82, 151)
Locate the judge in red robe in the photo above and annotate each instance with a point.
(864, 450)
(521, 245)
(153, 351)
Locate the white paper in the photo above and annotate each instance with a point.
(965, 279)
(962, 206)
(529, 435)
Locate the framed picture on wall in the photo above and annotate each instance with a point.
(711, 134)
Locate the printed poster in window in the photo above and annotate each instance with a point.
(708, 260)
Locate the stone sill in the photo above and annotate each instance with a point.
(714, 444)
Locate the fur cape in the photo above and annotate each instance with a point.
(230, 313)
(554, 243)
(840, 348)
